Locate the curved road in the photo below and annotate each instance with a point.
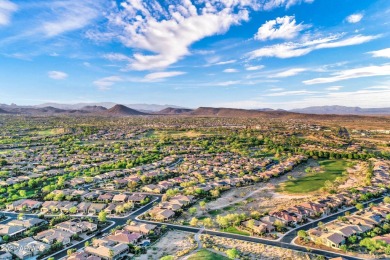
(285, 241)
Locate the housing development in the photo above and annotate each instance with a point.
(259, 186)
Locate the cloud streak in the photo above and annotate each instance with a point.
(7, 8)
(107, 82)
(369, 71)
(58, 75)
(157, 76)
(291, 49)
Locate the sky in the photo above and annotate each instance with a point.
(219, 53)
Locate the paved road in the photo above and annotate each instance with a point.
(285, 242)
(252, 239)
(289, 237)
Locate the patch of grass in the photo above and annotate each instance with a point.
(48, 132)
(204, 254)
(234, 230)
(215, 212)
(314, 181)
(229, 208)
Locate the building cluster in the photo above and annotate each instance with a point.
(116, 244)
(28, 247)
(335, 234)
(90, 203)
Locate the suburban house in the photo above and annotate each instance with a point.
(107, 250)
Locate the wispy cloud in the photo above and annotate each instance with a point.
(271, 4)
(291, 49)
(252, 68)
(228, 83)
(369, 71)
(107, 82)
(334, 88)
(288, 73)
(69, 16)
(230, 70)
(59, 75)
(354, 18)
(7, 8)
(291, 93)
(281, 28)
(116, 57)
(156, 76)
(363, 97)
(384, 53)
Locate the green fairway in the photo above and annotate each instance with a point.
(234, 230)
(204, 254)
(314, 181)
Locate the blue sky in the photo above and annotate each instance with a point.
(220, 53)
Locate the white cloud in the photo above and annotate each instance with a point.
(369, 71)
(290, 93)
(57, 75)
(291, 49)
(271, 4)
(116, 57)
(281, 28)
(168, 33)
(275, 89)
(225, 62)
(230, 70)
(69, 16)
(162, 75)
(334, 88)
(228, 83)
(288, 73)
(385, 53)
(354, 18)
(7, 8)
(107, 82)
(251, 68)
(378, 97)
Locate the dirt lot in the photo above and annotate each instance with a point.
(356, 175)
(261, 197)
(170, 244)
(253, 250)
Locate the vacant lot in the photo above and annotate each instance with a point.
(170, 244)
(330, 170)
(204, 254)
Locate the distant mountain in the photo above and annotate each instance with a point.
(3, 111)
(235, 112)
(343, 110)
(174, 111)
(80, 106)
(121, 110)
(93, 109)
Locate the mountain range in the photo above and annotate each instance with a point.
(108, 108)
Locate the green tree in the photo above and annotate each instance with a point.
(302, 234)
(386, 199)
(208, 222)
(359, 206)
(232, 253)
(102, 217)
(194, 222)
(202, 204)
(73, 210)
(192, 211)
